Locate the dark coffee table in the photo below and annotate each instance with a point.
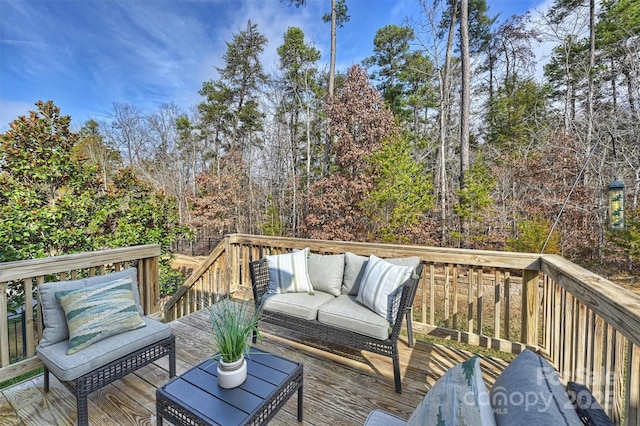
(196, 399)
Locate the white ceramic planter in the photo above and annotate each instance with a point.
(232, 374)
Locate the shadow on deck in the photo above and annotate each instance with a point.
(340, 387)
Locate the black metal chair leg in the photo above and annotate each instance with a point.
(46, 379)
(396, 371)
(409, 329)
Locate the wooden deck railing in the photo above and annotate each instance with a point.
(587, 326)
(29, 274)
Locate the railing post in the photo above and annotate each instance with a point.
(230, 265)
(632, 405)
(530, 307)
(4, 326)
(149, 282)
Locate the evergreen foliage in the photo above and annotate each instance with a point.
(401, 195)
(53, 201)
(532, 234)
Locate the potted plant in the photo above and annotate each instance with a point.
(232, 326)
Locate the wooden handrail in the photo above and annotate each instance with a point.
(615, 304)
(21, 269)
(203, 287)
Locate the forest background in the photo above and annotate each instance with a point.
(443, 138)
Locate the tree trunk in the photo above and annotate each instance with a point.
(332, 71)
(464, 107)
(590, 74)
(445, 107)
(332, 61)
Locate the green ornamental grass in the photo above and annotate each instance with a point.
(232, 325)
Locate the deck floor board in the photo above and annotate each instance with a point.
(340, 387)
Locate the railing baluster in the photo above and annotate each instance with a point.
(40, 322)
(447, 296)
(432, 295)
(632, 406)
(507, 305)
(546, 312)
(598, 349)
(4, 326)
(470, 300)
(497, 303)
(454, 289)
(28, 319)
(480, 299)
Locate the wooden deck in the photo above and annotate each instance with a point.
(339, 388)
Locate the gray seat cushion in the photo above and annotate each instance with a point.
(344, 312)
(69, 367)
(300, 305)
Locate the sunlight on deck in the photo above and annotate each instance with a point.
(339, 388)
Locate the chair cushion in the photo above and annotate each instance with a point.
(344, 312)
(55, 321)
(53, 316)
(96, 312)
(326, 271)
(69, 367)
(529, 391)
(300, 305)
(458, 398)
(379, 281)
(288, 272)
(383, 418)
(353, 269)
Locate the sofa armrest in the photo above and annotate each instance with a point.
(402, 302)
(259, 270)
(588, 409)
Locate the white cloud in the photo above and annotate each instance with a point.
(85, 55)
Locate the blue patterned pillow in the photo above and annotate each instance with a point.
(458, 398)
(96, 312)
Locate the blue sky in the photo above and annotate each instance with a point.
(87, 54)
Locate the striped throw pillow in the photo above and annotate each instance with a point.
(288, 272)
(97, 312)
(379, 281)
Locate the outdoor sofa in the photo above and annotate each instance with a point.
(346, 299)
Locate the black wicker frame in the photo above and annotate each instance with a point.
(115, 370)
(401, 305)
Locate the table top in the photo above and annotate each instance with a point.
(198, 392)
